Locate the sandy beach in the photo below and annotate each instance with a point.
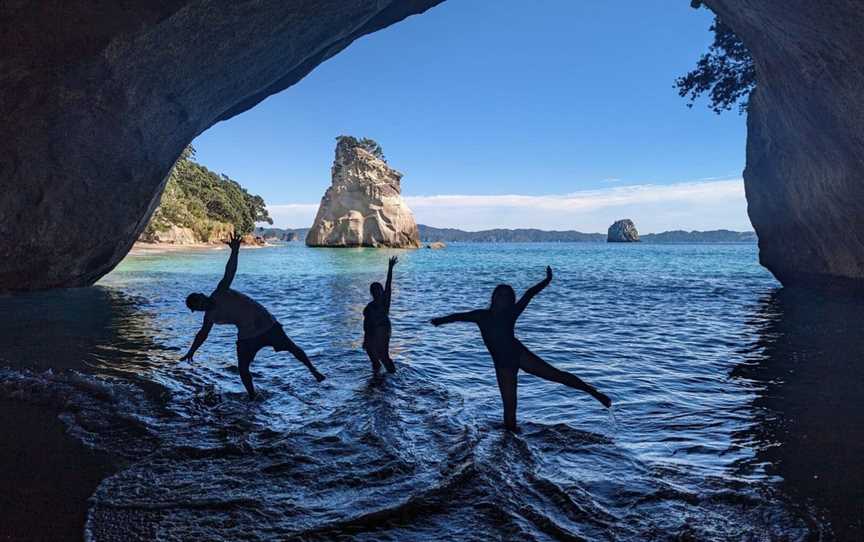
(149, 249)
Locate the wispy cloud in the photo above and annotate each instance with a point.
(689, 205)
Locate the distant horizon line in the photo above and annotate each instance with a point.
(265, 226)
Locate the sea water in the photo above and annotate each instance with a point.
(731, 398)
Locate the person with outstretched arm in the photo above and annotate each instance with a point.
(376, 323)
(256, 327)
(497, 327)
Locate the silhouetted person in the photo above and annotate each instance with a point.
(256, 327)
(376, 323)
(497, 325)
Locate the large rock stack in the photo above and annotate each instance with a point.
(622, 231)
(364, 205)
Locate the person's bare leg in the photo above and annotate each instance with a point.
(244, 359)
(376, 365)
(385, 354)
(532, 363)
(388, 363)
(507, 387)
(297, 352)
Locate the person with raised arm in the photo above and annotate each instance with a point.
(376, 323)
(256, 327)
(497, 327)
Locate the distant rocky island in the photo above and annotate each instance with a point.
(622, 231)
(363, 207)
(286, 235)
(429, 234)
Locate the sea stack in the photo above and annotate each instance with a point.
(363, 206)
(622, 231)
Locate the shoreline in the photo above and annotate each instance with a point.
(140, 248)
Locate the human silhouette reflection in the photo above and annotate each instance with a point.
(809, 405)
(376, 323)
(497, 327)
(256, 327)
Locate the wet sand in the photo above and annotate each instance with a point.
(47, 475)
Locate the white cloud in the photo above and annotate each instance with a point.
(701, 205)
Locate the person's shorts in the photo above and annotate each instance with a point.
(274, 337)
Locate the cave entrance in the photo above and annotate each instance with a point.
(556, 118)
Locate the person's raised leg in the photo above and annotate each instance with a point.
(532, 363)
(244, 360)
(507, 387)
(284, 343)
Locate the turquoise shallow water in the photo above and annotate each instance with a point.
(737, 405)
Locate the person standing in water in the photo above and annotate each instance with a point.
(256, 327)
(376, 323)
(497, 327)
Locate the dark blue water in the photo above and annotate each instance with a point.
(738, 406)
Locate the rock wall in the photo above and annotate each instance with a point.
(99, 98)
(804, 178)
(364, 205)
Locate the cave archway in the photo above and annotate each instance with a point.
(93, 121)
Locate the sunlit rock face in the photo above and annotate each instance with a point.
(98, 100)
(364, 205)
(804, 178)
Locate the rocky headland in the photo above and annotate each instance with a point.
(200, 207)
(363, 207)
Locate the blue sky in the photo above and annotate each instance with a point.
(552, 113)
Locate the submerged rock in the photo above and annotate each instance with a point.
(437, 245)
(622, 231)
(364, 205)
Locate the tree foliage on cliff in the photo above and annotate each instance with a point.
(197, 198)
(725, 73)
(365, 143)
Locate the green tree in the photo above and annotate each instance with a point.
(197, 198)
(725, 73)
(369, 145)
